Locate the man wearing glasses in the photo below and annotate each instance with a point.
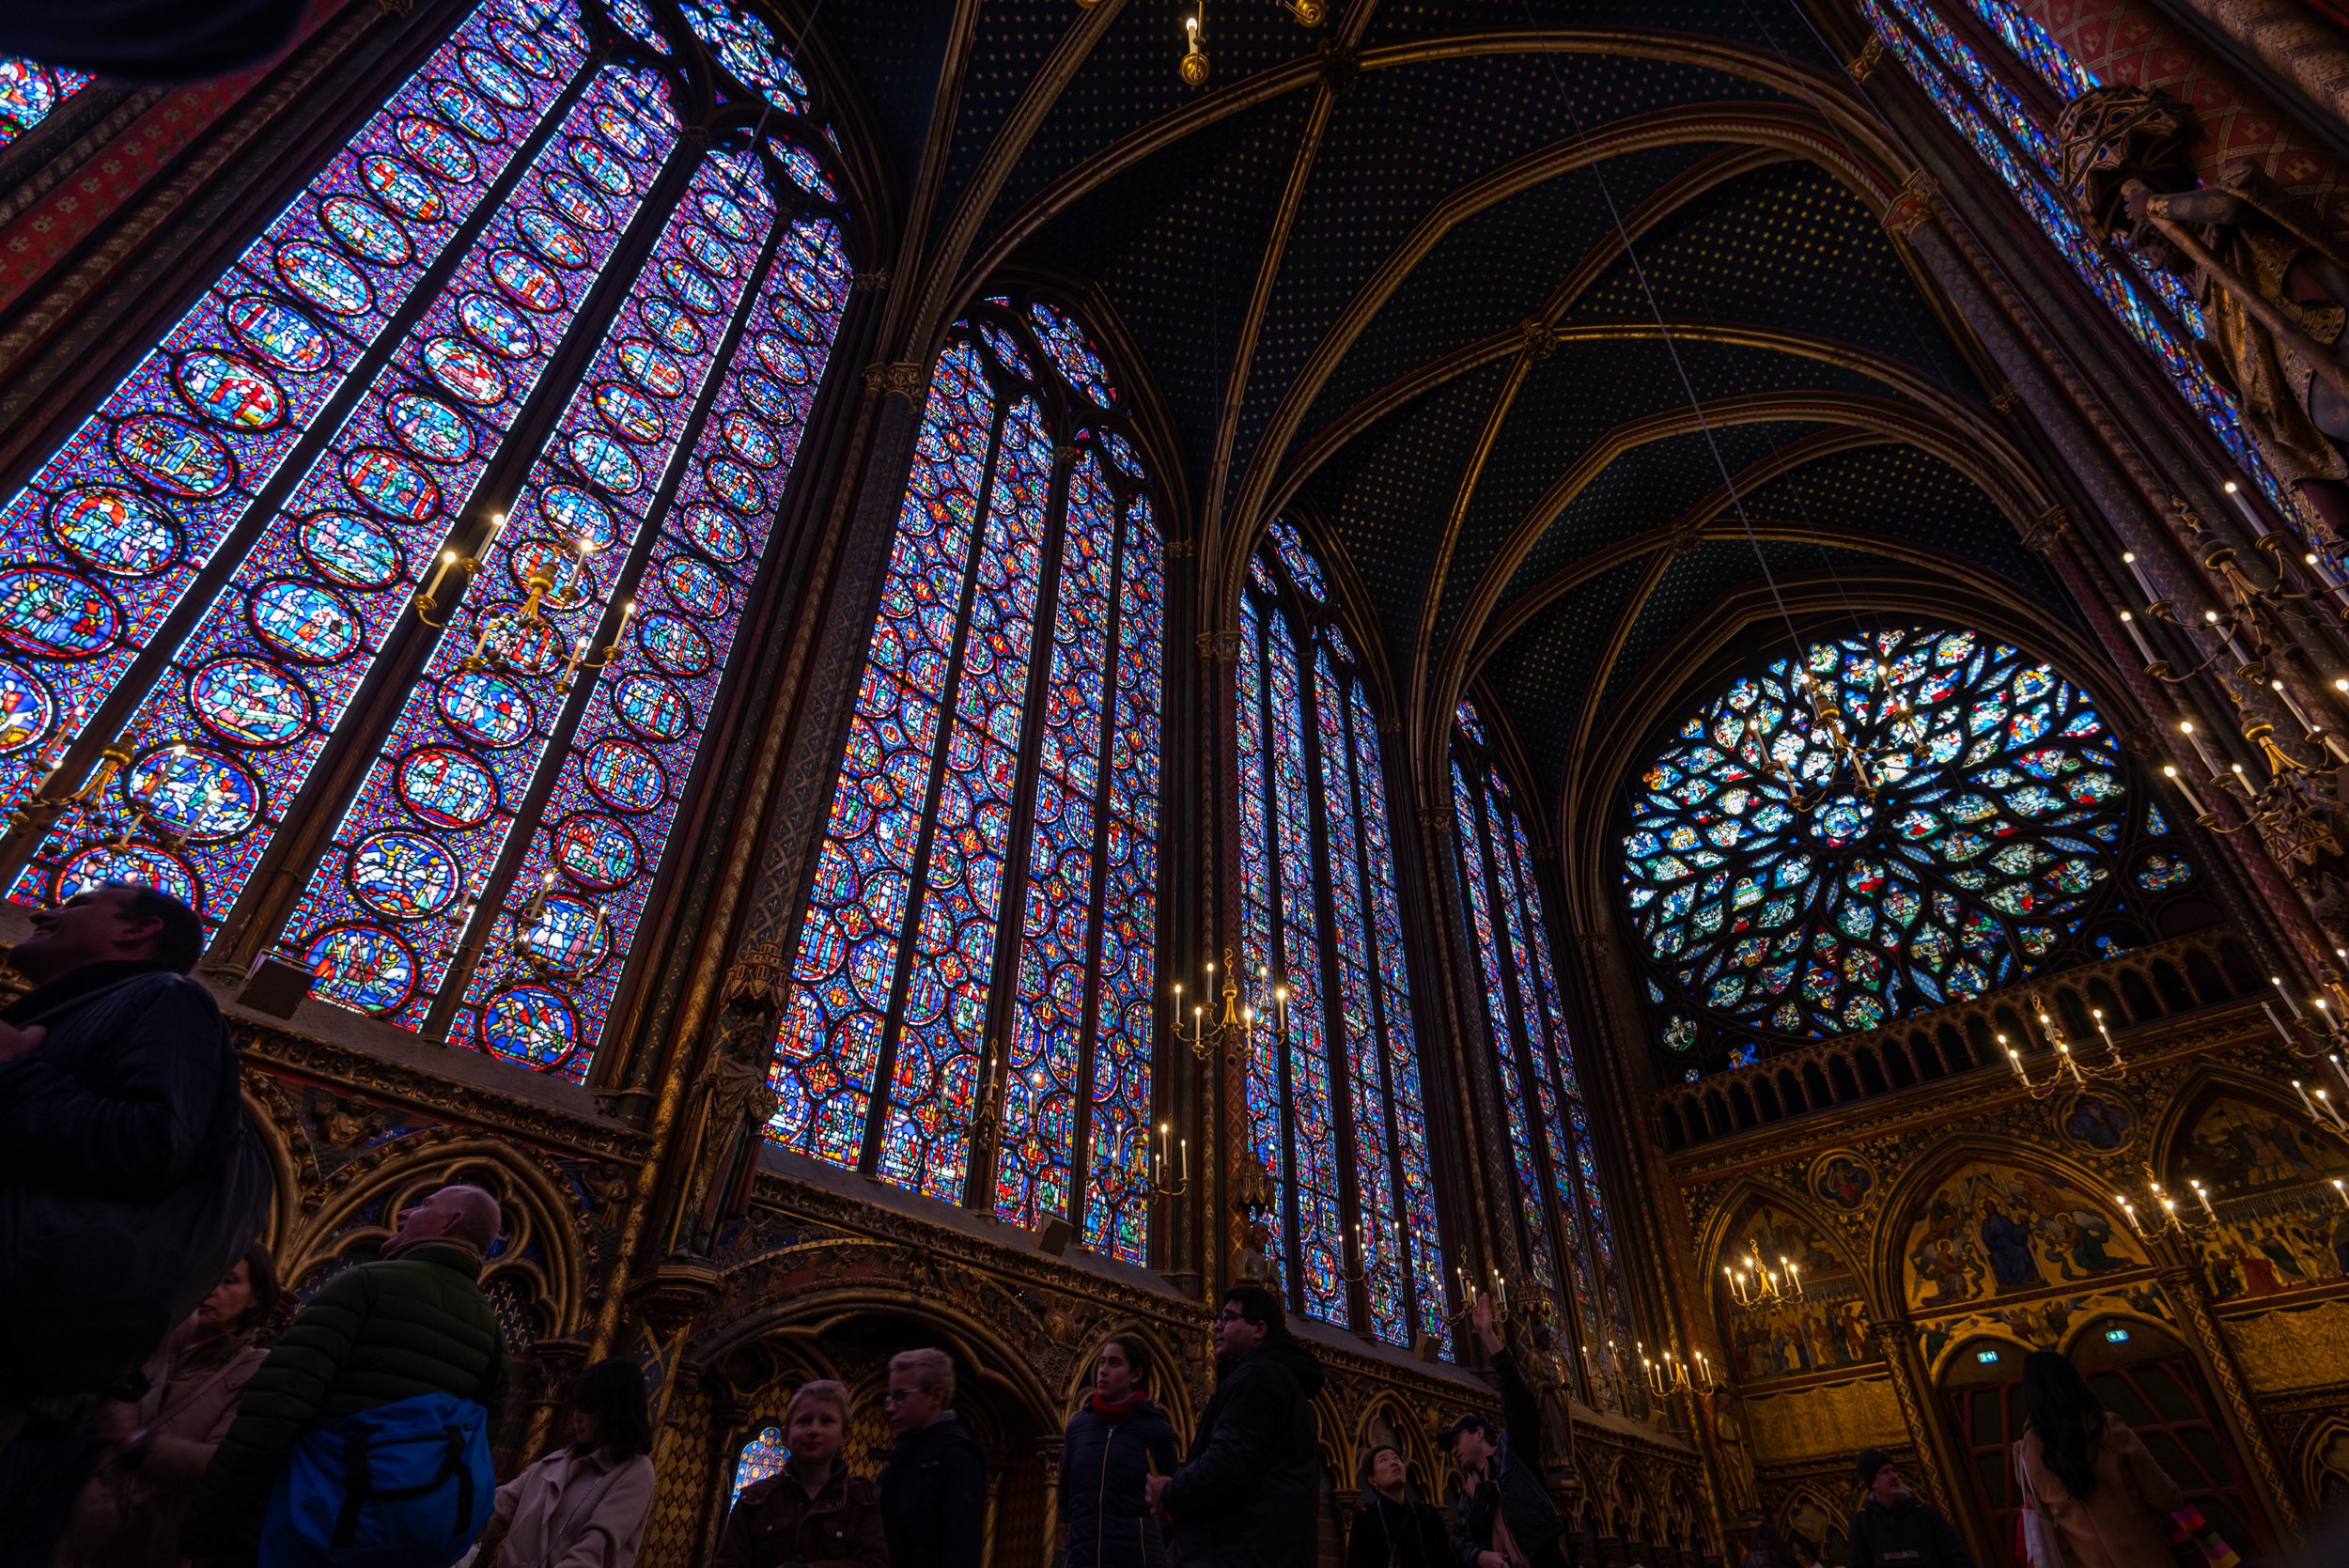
(933, 1492)
(1247, 1494)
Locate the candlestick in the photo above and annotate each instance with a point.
(448, 559)
(1183, 1147)
(2325, 1100)
(2204, 1193)
(2137, 635)
(2226, 630)
(2278, 981)
(2128, 559)
(2129, 1209)
(2282, 1034)
(2306, 1104)
(2325, 1011)
(2179, 779)
(2339, 1070)
(2290, 706)
(2342, 1190)
(2186, 727)
(2015, 1057)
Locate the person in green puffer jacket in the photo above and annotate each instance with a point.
(415, 1323)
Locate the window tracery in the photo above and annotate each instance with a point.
(1336, 1111)
(981, 935)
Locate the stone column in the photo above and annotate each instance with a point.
(1939, 1463)
(2188, 1294)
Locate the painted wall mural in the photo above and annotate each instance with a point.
(1825, 1328)
(2281, 1224)
(1991, 1230)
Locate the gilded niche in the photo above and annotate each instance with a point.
(1825, 1329)
(2280, 1225)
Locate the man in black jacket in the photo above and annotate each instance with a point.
(933, 1491)
(129, 1182)
(1503, 1516)
(1249, 1492)
(1893, 1530)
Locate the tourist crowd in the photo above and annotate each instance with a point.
(160, 1404)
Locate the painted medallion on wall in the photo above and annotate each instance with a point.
(1842, 1179)
(2102, 1122)
(1991, 1230)
(2276, 1222)
(1825, 1328)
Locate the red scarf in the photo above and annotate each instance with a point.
(1115, 1411)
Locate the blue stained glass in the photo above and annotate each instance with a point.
(325, 634)
(762, 1456)
(747, 46)
(30, 93)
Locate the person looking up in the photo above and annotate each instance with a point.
(2088, 1473)
(1502, 1517)
(584, 1504)
(812, 1511)
(1115, 1442)
(1394, 1528)
(408, 1327)
(1248, 1494)
(1894, 1529)
(933, 1491)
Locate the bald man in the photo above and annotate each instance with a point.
(415, 1323)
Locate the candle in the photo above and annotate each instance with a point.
(2128, 559)
(2342, 1190)
(2293, 708)
(2277, 981)
(2325, 1011)
(1183, 1146)
(2282, 1033)
(2306, 1104)
(2179, 779)
(2137, 635)
(448, 559)
(2324, 1099)
(2204, 1193)
(579, 651)
(2130, 1210)
(2226, 630)
(2338, 1071)
(2186, 727)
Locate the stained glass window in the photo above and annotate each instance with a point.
(982, 922)
(221, 561)
(2010, 134)
(762, 1456)
(30, 93)
(1336, 1114)
(1548, 1119)
(1898, 819)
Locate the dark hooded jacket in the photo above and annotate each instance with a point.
(129, 1182)
(933, 1498)
(1249, 1493)
(1908, 1534)
(1391, 1534)
(1514, 1484)
(1105, 1470)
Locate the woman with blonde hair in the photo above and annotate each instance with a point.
(812, 1511)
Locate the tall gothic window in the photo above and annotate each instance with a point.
(1896, 820)
(982, 930)
(1550, 1122)
(2003, 114)
(1334, 1104)
(434, 519)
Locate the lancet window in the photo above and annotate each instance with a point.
(1569, 1240)
(1895, 820)
(1999, 111)
(981, 936)
(1336, 1111)
(434, 519)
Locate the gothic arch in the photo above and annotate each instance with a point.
(1387, 1418)
(2205, 1083)
(292, 1172)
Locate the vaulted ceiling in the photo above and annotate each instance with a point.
(1562, 325)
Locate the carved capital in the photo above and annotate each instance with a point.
(757, 976)
(1180, 550)
(2045, 529)
(2008, 401)
(874, 281)
(1064, 454)
(1222, 646)
(1861, 64)
(1540, 339)
(672, 1294)
(900, 379)
(1911, 204)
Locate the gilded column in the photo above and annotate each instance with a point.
(1937, 1461)
(2188, 1296)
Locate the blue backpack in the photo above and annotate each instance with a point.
(403, 1485)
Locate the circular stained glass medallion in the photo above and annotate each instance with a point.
(404, 188)
(576, 515)
(1780, 888)
(716, 534)
(605, 461)
(1122, 452)
(653, 707)
(117, 532)
(466, 110)
(603, 170)
(670, 323)
(350, 550)
(173, 456)
(229, 392)
(552, 239)
(525, 54)
(751, 441)
(691, 284)
(303, 621)
(576, 202)
(673, 645)
(139, 864)
(249, 701)
(627, 411)
(526, 281)
(363, 967)
(447, 788)
(494, 77)
(437, 147)
(793, 318)
(786, 361)
(277, 332)
(430, 428)
(323, 278)
(27, 91)
(56, 615)
(498, 326)
(371, 233)
(391, 484)
(194, 791)
(808, 175)
(530, 1026)
(465, 369)
(696, 588)
(26, 709)
(652, 367)
(727, 215)
(735, 485)
(811, 287)
(705, 246)
(625, 776)
(403, 876)
(486, 707)
(568, 938)
(595, 850)
(624, 131)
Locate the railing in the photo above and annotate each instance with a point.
(2143, 985)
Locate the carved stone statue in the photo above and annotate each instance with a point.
(2269, 272)
(735, 1102)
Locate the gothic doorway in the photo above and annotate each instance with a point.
(2146, 1378)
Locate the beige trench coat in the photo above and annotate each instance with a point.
(2125, 1521)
